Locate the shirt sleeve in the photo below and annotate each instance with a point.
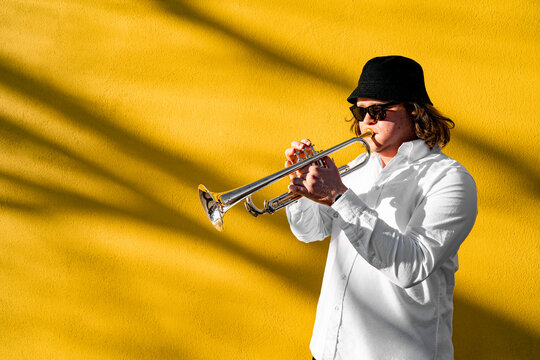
(308, 221)
(438, 226)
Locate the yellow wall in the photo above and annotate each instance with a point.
(113, 111)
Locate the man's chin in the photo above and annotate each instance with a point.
(373, 144)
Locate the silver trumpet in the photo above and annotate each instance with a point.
(217, 204)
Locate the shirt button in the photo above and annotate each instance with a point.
(336, 308)
(336, 215)
(343, 277)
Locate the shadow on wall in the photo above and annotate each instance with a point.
(480, 334)
(186, 12)
(149, 209)
(487, 151)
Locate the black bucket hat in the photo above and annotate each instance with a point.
(391, 78)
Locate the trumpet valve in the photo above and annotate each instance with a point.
(305, 153)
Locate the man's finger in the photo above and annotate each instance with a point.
(298, 181)
(330, 164)
(298, 189)
(290, 154)
(297, 145)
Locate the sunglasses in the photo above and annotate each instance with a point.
(377, 111)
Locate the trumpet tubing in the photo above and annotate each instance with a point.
(216, 205)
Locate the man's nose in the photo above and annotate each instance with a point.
(369, 120)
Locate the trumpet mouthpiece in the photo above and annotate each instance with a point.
(367, 133)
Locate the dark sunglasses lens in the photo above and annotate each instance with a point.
(377, 112)
(359, 113)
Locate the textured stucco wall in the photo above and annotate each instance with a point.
(113, 111)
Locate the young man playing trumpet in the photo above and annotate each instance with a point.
(395, 224)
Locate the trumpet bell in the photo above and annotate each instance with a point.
(212, 207)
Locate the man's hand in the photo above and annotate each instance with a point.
(321, 185)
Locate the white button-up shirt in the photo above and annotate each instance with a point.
(389, 277)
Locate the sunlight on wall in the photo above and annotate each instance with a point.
(112, 112)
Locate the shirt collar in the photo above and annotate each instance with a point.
(414, 150)
(411, 151)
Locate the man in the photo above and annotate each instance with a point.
(395, 224)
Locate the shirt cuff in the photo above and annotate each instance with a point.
(348, 206)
